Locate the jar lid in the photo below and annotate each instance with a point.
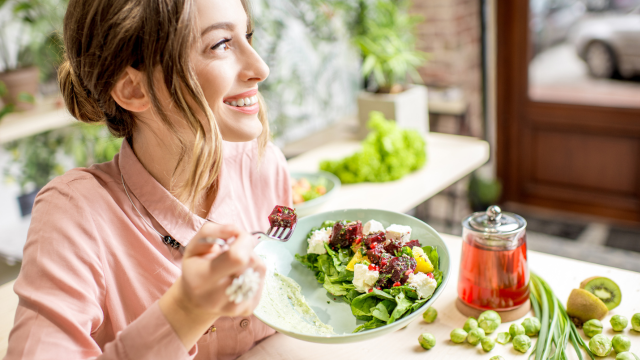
(494, 221)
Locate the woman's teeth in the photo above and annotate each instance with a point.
(248, 101)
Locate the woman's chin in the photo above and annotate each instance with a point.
(241, 131)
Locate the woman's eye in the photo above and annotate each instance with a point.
(222, 45)
(250, 36)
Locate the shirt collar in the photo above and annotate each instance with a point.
(169, 212)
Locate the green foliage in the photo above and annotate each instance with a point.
(40, 28)
(483, 193)
(39, 158)
(388, 153)
(387, 43)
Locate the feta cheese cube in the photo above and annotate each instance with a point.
(399, 232)
(372, 227)
(317, 240)
(424, 285)
(363, 278)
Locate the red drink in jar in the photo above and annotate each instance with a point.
(494, 274)
(493, 279)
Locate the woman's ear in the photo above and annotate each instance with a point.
(130, 92)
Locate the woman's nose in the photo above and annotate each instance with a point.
(253, 67)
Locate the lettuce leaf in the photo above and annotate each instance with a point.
(403, 304)
(432, 254)
(309, 260)
(337, 289)
(387, 153)
(370, 325)
(363, 305)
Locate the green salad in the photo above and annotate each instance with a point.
(388, 153)
(381, 273)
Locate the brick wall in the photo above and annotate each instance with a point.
(451, 33)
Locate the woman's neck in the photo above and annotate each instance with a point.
(160, 158)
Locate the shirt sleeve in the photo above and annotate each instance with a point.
(61, 288)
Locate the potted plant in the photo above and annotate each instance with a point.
(386, 42)
(39, 158)
(483, 191)
(35, 161)
(8, 108)
(30, 47)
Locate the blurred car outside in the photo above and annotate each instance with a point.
(551, 21)
(609, 43)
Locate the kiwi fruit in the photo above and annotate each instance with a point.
(584, 306)
(605, 289)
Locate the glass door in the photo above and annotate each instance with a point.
(585, 52)
(568, 105)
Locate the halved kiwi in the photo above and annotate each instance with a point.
(583, 306)
(605, 289)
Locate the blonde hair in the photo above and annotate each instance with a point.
(103, 37)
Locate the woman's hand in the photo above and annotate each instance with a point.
(198, 298)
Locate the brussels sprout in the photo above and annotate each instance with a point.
(635, 322)
(522, 343)
(619, 322)
(470, 324)
(489, 321)
(592, 327)
(430, 315)
(427, 340)
(626, 356)
(458, 336)
(621, 343)
(497, 357)
(531, 326)
(600, 345)
(475, 336)
(503, 338)
(487, 343)
(515, 330)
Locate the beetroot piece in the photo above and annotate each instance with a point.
(376, 256)
(393, 246)
(283, 217)
(413, 243)
(345, 234)
(397, 268)
(377, 238)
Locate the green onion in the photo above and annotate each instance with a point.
(557, 329)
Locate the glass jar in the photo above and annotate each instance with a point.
(494, 274)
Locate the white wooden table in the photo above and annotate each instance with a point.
(562, 274)
(449, 159)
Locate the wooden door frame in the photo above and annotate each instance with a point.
(517, 116)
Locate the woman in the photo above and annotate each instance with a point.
(104, 272)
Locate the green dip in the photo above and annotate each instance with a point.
(283, 306)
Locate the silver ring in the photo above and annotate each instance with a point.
(244, 287)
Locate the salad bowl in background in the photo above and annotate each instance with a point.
(337, 313)
(330, 182)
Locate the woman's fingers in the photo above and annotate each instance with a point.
(208, 237)
(237, 258)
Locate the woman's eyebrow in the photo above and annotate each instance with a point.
(221, 25)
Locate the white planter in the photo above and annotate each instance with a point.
(408, 108)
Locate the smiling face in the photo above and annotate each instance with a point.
(228, 68)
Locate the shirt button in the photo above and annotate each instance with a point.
(244, 323)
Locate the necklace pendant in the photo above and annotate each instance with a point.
(169, 241)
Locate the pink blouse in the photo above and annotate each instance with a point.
(93, 270)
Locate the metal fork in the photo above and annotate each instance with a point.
(278, 233)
